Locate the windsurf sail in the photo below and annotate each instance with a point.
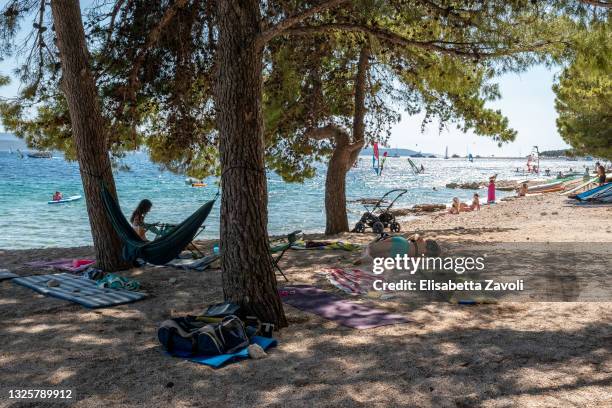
(382, 164)
(533, 161)
(414, 167)
(375, 159)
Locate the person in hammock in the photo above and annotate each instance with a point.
(138, 217)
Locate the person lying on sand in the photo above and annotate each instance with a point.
(390, 247)
(457, 206)
(138, 217)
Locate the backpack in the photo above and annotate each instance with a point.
(189, 336)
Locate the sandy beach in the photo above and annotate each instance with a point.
(542, 354)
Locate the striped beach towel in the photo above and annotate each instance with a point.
(351, 281)
(78, 290)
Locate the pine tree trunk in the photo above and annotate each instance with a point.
(248, 275)
(336, 219)
(88, 128)
(344, 155)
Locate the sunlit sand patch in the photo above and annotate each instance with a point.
(89, 339)
(60, 375)
(8, 302)
(36, 328)
(449, 349)
(121, 314)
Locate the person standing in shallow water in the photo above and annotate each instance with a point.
(138, 217)
(491, 192)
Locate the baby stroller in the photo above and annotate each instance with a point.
(379, 218)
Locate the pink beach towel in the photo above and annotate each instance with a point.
(68, 265)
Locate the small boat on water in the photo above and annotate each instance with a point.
(39, 155)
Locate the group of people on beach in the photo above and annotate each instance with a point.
(138, 216)
(457, 206)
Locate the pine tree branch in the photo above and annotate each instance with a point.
(445, 47)
(331, 132)
(113, 16)
(152, 39)
(290, 21)
(598, 3)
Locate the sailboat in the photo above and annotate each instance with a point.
(446, 154)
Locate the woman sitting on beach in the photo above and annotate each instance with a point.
(475, 202)
(522, 190)
(601, 175)
(138, 216)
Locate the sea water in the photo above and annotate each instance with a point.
(26, 184)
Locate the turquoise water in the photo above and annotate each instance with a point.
(27, 221)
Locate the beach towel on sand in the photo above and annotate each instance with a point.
(326, 245)
(194, 264)
(218, 361)
(332, 307)
(78, 290)
(351, 281)
(68, 265)
(6, 274)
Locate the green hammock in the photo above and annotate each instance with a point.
(162, 250)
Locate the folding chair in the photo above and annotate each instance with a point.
(291, 239)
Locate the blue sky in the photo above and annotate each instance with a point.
(527, 100)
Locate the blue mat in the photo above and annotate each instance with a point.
(78, 290)
(6, 274)
(218, 361)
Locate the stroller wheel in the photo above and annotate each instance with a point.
(378, 227)
(395, 227)
(360, 227)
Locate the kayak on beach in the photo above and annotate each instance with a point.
(66, 200)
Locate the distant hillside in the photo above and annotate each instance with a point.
(9, 141)
(391, 151)
(557, 153)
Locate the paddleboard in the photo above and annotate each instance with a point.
(587, 194)
(542, 187)
(573, 190)
(551, 190)
(66, 200)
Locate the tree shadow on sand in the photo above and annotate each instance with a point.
(111, 357)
